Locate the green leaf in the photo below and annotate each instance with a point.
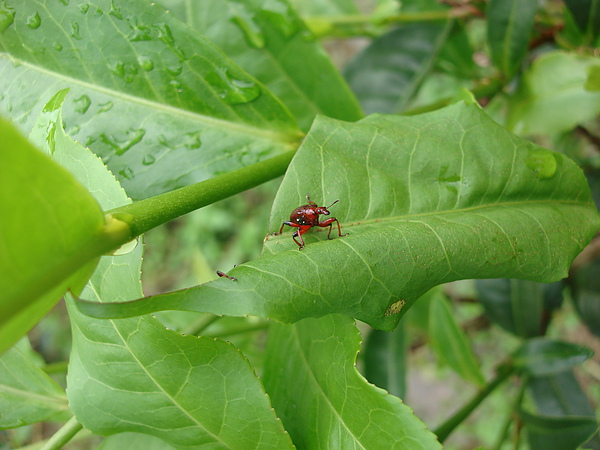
(27, 394)
(520, 307)
(50, 238)
(510, 23)
(322, 399)
(133, 440)
(541, 356)
(450, 343)
(557, 433)
(552, 97)
(155, 99)
(326, 7)
(135, 375)
(587, 16)
(586, 295)
(425, 199)
(385, 360)
(387, 74)
(561, 395)
(271, 43)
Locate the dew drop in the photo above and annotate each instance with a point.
(148, 160)
(542, 162)
(281, 17)
(7, 16)
(115, 11)
(250, 28)
(174, 70)
(103, 107)
(233, 90)
(122, 144)
(57, 46)
(82, 104)
(146, 63)
(192, 141)
(84, 7)
(75, 31)
(33, 21)
(125, 71)
(127, 173)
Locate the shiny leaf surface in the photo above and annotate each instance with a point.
(322, 399)
(155, 99)
(415, 193)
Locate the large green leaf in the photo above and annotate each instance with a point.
(135, 375)
(270, 42)
(27, 394)
(155, 99)
(510, 23)
(48, 235)
(322, 399)
(425, 199)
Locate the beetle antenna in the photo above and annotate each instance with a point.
(333, 203)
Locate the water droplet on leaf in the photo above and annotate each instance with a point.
(84, 7)
(115, 11)
(107, 106)
(75, 31)
(33, 21)
(57, 46)
(249, 27)
(146, 63)
(7, 16)
(542, 162)
(82, 104)
(231, 89)
(174, 70)
(123, 144)
(193, 141)
(281, 17)
(127, 72)
(127, 173)
(148, 160)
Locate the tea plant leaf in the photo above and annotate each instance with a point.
(387, 74)
(322, 399)
(553, 97)
(27, 394)
(426, 200)
(47, 245)
(450, 343)
(135, 375)
(155, 99)
(270, 42)
(557, 433)
(510, 23)
(542, 357)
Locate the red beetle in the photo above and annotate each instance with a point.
(307, 216)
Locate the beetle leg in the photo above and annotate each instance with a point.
(329, 223)
(291, 224)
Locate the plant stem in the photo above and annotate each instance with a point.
(64, 435)
(146, 214)
(201, 324)
(444, 430)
